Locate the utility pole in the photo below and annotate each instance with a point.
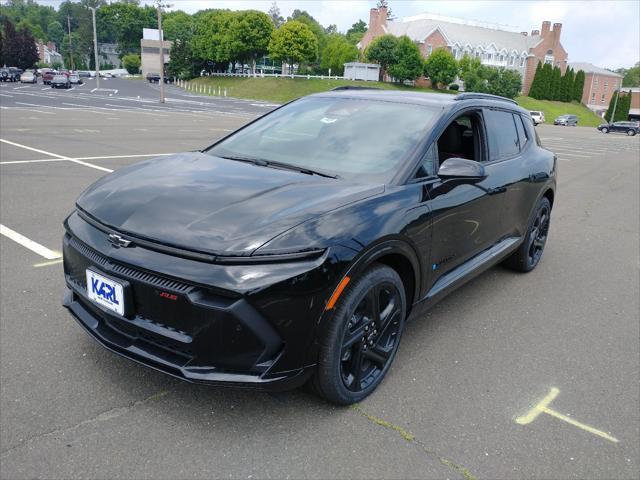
(160, 5)
(615, 105)
(95, 47)
(73, 66)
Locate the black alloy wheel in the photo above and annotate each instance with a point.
(363, 337)
(529, 253)
(605, 130)
(370, 337)
(538, 235)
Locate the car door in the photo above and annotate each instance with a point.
(466, 215)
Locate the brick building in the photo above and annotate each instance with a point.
(599, 85)
(494, 44)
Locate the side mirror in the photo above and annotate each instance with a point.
(461, 168)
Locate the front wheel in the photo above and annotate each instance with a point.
(631, 133)
(528, 255)
(605, 130)
(360, 343)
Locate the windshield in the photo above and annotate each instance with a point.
(357, 139)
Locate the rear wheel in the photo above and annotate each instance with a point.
(631, 133)
(362, 340)
(605, 130)
(530, 251)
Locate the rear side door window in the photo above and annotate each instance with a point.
(502, 134)
(522, 133)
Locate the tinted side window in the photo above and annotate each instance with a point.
(522, 134)
(428, 163)
(502, 134)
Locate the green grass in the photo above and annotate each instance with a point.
(551, 110)
(282, 90)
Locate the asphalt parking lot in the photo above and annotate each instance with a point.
(513, 376)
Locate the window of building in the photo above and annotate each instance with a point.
(593, 98)
(513, 60)
(489, 56)
(522, 60)
(596, 81)
(429, 49)
(454, 52)
(602, 99)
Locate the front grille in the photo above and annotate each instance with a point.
(125, 271)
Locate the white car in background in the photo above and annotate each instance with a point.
(538, 117)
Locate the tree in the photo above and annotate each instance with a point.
(274, 13)
(622, 108)
(534, 89)
(578, 86)
(248, 36)
(183, 64)
(55, 32)
(132, 63)
(382, 51)
(26, 49)
(210, 39)
(336, 53)
(293, 42)
(473, 74)
(566, 86)
(631, 76)
(409, 64)
(127, 21)
(546, 91)
(10, 43)
(554, 85)
(356, 32)
(503, 82)
(177, 25)
(441, 67)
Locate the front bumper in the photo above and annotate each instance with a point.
(262, 337)
(138, 348)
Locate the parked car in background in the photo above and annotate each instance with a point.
(75, 79)
(10, 74)
(28, 77)
(630, 128)
(252, 265)
(84, 74)
(47, 76)
(60, 81)
(566, 120)
(106, 75)
(538, 117)
(155, 78)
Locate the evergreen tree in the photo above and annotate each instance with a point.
(566, 91)
(578, 86)
(622, 107)
(554, 85)
(534, 90)
(545, 82)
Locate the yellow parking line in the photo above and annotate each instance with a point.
(46, 264)
(543, 407)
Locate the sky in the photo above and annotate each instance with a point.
(604, 32)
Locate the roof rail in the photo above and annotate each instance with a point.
(354, 87)
(485, 96)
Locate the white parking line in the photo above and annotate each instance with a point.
(5, 95)
(106, 157)
(79, 162)
(30, 244)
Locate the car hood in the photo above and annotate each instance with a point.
(209, 204)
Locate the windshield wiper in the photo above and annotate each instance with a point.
(273, 164)
(296, 168)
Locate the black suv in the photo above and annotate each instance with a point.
(10, 74)
(155, 78)
(630, 128)
(295, 249)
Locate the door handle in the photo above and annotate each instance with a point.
(496, 190)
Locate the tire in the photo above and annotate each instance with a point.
(529, 253)
(605, 130)
(351, 343)
(631, 133)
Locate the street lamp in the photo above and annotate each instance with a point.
(160, 6)
(95, 47)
